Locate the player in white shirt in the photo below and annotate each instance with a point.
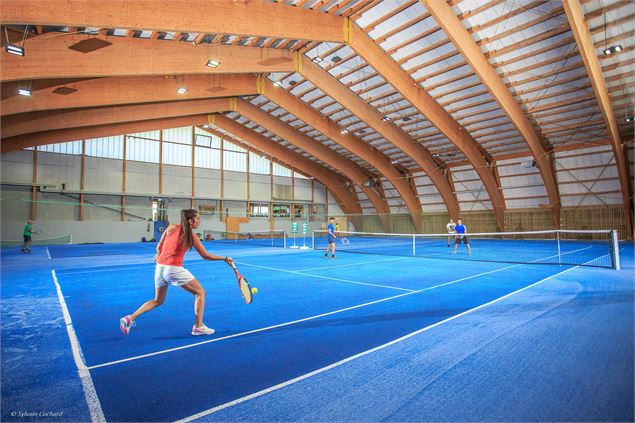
(450, 227)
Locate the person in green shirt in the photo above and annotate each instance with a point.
(27, 236)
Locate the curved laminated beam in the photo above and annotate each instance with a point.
(64, 135)
(324, 81)
(331, 180)
(450, 23)
(48, 121)
(349, 141)
(316, 149)
(256, 18)
(583, 39)
(135, 57)
(131, 90)
(392, 73)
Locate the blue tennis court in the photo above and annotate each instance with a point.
(365, 337)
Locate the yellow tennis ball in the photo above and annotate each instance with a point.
(254, 290)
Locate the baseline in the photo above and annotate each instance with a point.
(92, 400)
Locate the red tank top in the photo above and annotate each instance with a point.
(171, 252)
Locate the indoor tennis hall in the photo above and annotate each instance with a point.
(317, 211)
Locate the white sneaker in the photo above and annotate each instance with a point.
(202, 330)
(126, 323)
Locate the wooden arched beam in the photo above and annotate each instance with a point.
(257, 18)
(582, 36)
(131, 90)
(450, 23)
(347, 167)
(20, 142)
(26, 123)
(392, 73)
(332, 181)
(135, 57)
(324, 81)
(349, 141)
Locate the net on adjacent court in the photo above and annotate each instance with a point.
(567, 247)
(38, 240)
(275, 238)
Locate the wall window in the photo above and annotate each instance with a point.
(279, 170)
(281, 210)
(73, 147)
(142, 150)
(259, 210)
(258, 164)
(108, 147)
(177, 154)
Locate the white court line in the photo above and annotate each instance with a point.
(94, 406)
(48, 253)
(294, 321)
(355, 264)
(245, 333)
(356, 356)
(324, 277)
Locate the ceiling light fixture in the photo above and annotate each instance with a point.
(386, 118)
(13, 49)
(370, 182)
(181, 90)
(317, 59)
(612, 50)
(213, 63)
(25, 92)
(630, 119)
(344, 131)
(277, 84)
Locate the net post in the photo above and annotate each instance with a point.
(313, 239)
(615, 247)
(558, 240)
(284, 239)
(414, 248)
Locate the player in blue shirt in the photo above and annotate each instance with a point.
(460, 231)
(331, 237)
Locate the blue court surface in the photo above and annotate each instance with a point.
(364, 337)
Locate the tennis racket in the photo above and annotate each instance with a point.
(245, 289)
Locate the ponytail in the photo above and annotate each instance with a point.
(186, 237)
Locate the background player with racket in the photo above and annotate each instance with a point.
(331, 238)
(460, 231)
(450, 227)
(176, 240)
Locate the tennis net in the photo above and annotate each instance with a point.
(37, 240)
(564, 247)
(275, 238)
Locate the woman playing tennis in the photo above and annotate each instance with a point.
(176, 240)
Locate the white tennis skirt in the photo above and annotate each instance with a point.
(171, 275)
